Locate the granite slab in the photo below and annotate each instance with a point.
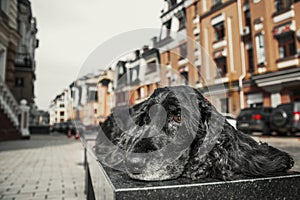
(111, 184)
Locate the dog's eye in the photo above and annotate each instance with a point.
(177, 118)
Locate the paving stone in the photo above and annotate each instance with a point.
(42, 167)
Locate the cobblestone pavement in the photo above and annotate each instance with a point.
(44, 167)
(289, 144)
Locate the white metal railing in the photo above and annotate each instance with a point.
(9, 104)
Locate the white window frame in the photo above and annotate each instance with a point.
(260, 48)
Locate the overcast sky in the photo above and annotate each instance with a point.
(70, 30)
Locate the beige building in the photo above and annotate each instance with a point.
(105, 95)
(255, 45)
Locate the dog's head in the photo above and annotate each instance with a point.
(158, 145)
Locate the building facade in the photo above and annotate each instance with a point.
(14, 113)
(136, 78)
(248, 54)
(58, 110)
(25, 65)
(105, 95)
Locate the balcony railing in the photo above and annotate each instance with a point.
(9, 104)
(23, 60)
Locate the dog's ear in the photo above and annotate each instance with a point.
(211, 124)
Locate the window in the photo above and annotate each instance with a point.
(134, 75)
(138, 94)
(19, 82)
(247, 18)
(61, 105)
(260, 49)
(181, 19)
(148, 90)
(172, 2)
(151, 67)
(255, 100)
(224, 105)
(183, 51)
(221, 66)
(92, 95)
(121, 70)
(196, 10)
(250, 60)
(287, 45)
(5, 4)
(216, 2)
(166, 29)
(2, 62)
(62, 113)
(184, 73)
(281, 5)
(219, 31)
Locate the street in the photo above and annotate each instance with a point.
(44, 167)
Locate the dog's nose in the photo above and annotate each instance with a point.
(135, 164)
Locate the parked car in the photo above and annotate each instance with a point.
(55, 127)
(286, 118)
(255, 119)
(230, 119)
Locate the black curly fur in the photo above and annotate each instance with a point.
(221, 153)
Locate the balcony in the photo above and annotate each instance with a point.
(283, 15)
(23, 60)
(287, 62)
(173, 8)
(219, 44)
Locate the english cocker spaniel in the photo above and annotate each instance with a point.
(177, 132)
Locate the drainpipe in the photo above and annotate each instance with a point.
(243, 75)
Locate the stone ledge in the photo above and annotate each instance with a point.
(110, 184)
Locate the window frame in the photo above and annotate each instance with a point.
(260, 49)
(183, 51)
(19, 82)
(282, 5)
(222, 68)
(285, 44)
(220, 32)
(151, 67)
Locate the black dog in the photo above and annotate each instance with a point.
(177, 132)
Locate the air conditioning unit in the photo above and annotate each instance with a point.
(246, 30)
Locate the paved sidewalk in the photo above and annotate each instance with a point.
(44, 167)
